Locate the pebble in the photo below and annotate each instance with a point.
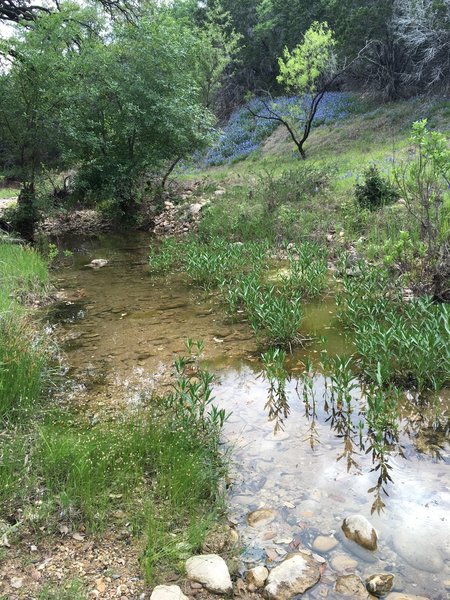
(341, 562)
(324, 543)
(380, 584)
(261, 517)
(257, 576)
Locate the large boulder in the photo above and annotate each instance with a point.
(211, 571)
(360, 530)
(297, 573)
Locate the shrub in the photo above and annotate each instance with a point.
(375, 191)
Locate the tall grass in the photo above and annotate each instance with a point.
(23, 357)
(23, 272)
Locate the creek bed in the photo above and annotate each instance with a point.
(298, 454)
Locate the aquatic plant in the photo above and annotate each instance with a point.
(308, 269)
(277, 405)
(406, 342)
(164, 256)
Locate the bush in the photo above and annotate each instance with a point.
(376, 191)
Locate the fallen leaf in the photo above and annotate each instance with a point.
(100, 585)
(64, 530)
(79, 537)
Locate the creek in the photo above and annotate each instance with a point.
(293, 450)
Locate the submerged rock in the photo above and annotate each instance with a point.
(211, 571)
(257, 576)
(359, 529)
(420, 555)
(168, 592)
(341, 562)
(324, 543)
(380, 584)
(351, 586)
(261, 517)
(402, 596)
(297, 573)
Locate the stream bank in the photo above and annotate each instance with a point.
(312, 472)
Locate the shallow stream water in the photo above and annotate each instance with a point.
(295, 450)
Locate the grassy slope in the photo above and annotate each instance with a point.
(351, 144)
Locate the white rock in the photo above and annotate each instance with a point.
(297, 573)
(211, 571)
(97, 263)
(167, 592)
(257, 576)
(358, 529)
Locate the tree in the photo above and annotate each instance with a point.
(26, 11)
(423, 28)
(308, 72)
(221, 45)
(114, 104)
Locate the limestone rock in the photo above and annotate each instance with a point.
(351, 586)
(261, 517)
(358, 529)
(402, 596)
(324, 543)
(380, 584)
(167, 592)
(297, 573)
(211, 571)
(257, 576)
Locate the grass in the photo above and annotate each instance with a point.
(156, 471)
(23, 354)
(153, 474)
(6, 193)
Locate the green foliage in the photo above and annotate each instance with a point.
(23, 355)
(396, 341)
(423, 181)
(375, 191)
(301, 69)
(164, 256)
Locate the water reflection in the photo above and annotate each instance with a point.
(369, 421)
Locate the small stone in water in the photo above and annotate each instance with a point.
(260, 517)
(324, 543)
(380, 584)
(343, 563)
(358, 529)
